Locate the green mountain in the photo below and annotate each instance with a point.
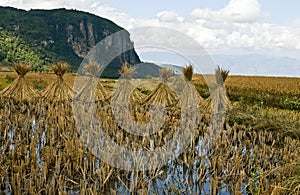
(43, 37)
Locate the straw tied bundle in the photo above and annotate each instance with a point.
(19, 89)
(56, 105)
(190, 100)
(19, 97)
(93, 90)
(18, 109)
(125, 92)
(189, 97)
(58, 91)
(163, 93)
(218, 101)
(126, 99)
(91, 94)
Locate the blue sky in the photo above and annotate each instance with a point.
(148, 9)
(233, 31)
(279, 11)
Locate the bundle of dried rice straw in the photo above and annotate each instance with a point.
(93, 90)
(59, 90)
(19, 89)
(163, 93)
(218, 99)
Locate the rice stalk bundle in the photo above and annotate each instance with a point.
(126, 98)
(19, 89)
(163, 94)
(189, 96)
(125, 92)
(218, 99)
(17, 114)
(127, 71)
(188, 72)
(91, 69)
(59, 90)
(93, 90)
(60, 68)
(221, 75)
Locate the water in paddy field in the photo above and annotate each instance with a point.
(176, 176)
(47, 150)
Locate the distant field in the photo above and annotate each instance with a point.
(280, 85)
(267, 84)
(279, 92)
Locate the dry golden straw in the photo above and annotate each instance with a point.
(163, 93)
(188, 72)
(59, 90)
(189, 96)
(60, 68)
(221, 75)
(93, 90)
(127, 71)
(165, 74)
(125, 92)
(19, 89)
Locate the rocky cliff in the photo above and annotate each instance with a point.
(63, 35)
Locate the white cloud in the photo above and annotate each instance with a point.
(218, 25)
(169, 16)
(235, 28)
(235, 11)
(242, 11)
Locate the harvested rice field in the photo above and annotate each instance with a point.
(245, 133)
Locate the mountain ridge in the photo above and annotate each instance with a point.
(58, 35)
